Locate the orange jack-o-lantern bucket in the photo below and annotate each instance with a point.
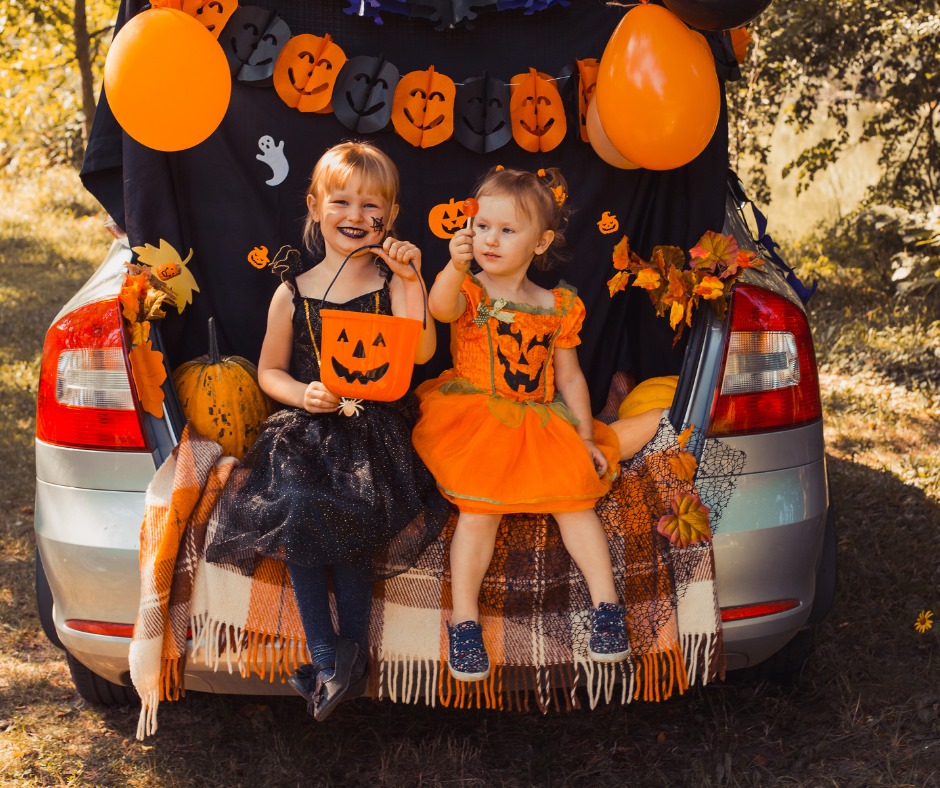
(367, 356)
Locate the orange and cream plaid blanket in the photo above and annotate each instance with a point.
(536, 633)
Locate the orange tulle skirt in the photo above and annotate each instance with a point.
(491, 455)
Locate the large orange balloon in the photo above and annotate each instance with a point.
(167, 80)
(601, 144)
(657, 90)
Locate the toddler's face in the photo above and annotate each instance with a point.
(504, 239)
(351, 216)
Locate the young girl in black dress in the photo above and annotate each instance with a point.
(337, 492)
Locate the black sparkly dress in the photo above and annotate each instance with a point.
(319, 489)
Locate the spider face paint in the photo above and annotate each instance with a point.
(378, 224)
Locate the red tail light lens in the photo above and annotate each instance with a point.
(86, 399)
(769, 379)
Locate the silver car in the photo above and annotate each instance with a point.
(750, 380)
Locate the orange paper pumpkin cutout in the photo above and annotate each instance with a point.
(368, 356)
(214, 14)
(446, 218)
(423, 108)
(306, 71)
(587, 81)
(258, 256)
(538, 116)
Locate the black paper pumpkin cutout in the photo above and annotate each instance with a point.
(259, 68)
(362, 98)
(481, 114)
(242, 33)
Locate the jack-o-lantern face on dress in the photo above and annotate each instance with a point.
(306, 71)
(215, 14)
(538, 115)
(481, 114)
(587, 81)
(446, 218)
(423, 111)
(362, 98)
(259, 68)
(523, 355)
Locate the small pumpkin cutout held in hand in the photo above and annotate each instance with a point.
(446, 218)
(221, 397)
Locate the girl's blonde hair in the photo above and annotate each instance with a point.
(541, 197)
(376, 170)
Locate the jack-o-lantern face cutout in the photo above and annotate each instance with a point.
(258, 256)
(259, 68)
(538, 116)
(587, 81)
(523, 356)
(241, 34)
(166, 271)
(367, 356)
(423, 110)
(362, 98)
(446, 219)
(215, 14)
(306, 71)
(481, 114)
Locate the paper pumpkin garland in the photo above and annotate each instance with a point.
(306, 71)
(258, 69)
(482, 122)
(538, 116)
(362, 96)
(214, 14)
(242, 34)
(423, 110)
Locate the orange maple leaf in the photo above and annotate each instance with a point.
(665, 256)
(683, 438)
(149, 374)
(713, 249)
(710, 288)
(688, 522)
(648, 279)
(621, 254)
(684, 465)
(618, 282)
(132, 293)
(676, 313)
(140, 332)
(744, 259)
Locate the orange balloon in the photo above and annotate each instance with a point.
(167, 80)
(657, 91)
(601, 144)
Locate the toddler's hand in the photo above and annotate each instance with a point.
(319, 399)
(398, 255)
(461, 249)
(597, 457)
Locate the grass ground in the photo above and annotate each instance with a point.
(865, 711)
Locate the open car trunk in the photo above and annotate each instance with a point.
(222, 201)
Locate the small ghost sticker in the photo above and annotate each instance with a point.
(273, 156)
(481, 114)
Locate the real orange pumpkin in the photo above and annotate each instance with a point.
(221, 397)
(651, 393)
(306, 71)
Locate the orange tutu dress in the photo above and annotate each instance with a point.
(492, 429)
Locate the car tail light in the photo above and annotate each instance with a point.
(86, 399)
(741, 612)
(769, 379)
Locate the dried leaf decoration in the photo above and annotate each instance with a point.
(688, 522)
(157, 257)
(149, 374)
(675, 287)
(683, 437)
(684, 465)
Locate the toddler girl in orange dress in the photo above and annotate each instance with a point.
(509, 428)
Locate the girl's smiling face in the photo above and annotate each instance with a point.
(505, 239)
(351, 215)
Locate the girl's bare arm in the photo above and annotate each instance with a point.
(569, 380)
(445, 300)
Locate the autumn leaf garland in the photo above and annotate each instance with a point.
(676, 287)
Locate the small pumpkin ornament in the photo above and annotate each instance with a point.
(220, 395)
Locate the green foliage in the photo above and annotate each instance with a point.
(41, 115)
(818, 60)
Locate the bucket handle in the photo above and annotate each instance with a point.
(424, 320)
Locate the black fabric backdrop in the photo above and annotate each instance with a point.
(213, 198)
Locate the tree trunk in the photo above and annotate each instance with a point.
(83, 57)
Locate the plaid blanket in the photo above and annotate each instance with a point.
(536, 632)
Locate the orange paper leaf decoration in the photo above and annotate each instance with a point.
(683, 438)
(684, 465)
(714, 249)
(149, 374)
(622, 254)
(688, 522)
(710, 288)
(648, 279)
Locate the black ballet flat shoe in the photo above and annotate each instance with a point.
(303, 681)
(331, 686)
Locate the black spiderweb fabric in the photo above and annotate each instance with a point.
(533, 584)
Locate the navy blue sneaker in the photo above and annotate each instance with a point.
(609, 633)
(467, 658)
